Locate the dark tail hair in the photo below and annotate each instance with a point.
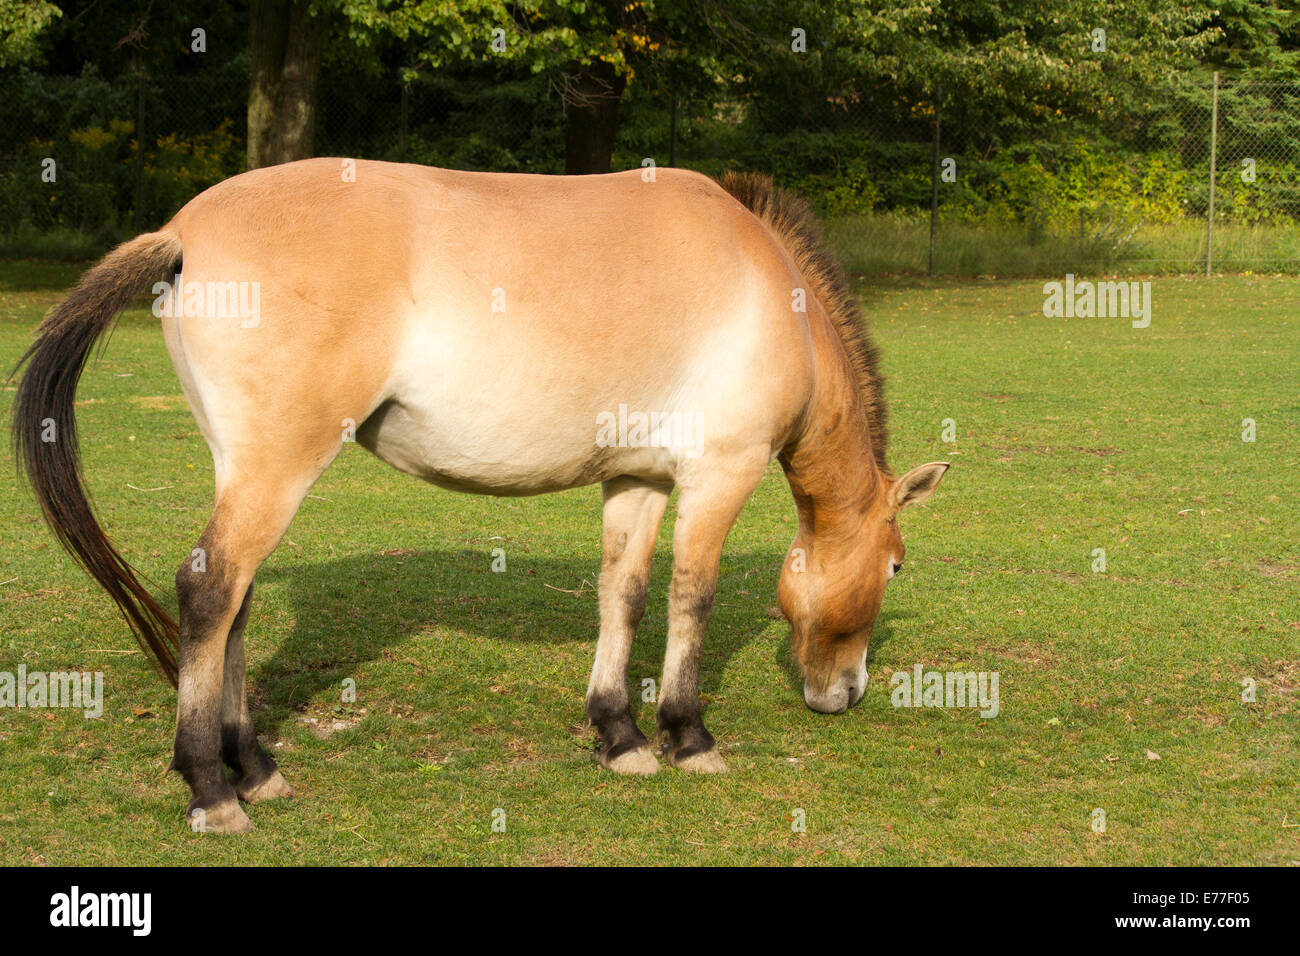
(45, 428)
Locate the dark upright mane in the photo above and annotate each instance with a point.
(793, 221)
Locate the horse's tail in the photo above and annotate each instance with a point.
(45, 429)
(795, 226)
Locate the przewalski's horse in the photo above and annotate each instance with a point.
(503, 335)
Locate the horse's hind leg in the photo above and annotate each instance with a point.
(633, 511)
(255, 775)
(253, 510)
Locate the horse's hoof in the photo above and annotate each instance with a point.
(270, 788)
(226, 817)
(706, 761)
(639, 762)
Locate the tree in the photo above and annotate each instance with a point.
(591, 101)
(590, 51)
(1259, 38)
(1003, 70)
(285, 39)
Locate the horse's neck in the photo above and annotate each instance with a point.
(831, 466)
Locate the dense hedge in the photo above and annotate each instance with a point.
(872, 159)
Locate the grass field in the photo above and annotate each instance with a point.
(1071, 435)
(899, 244)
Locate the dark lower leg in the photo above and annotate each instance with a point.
(689, 609)
(707, 507)
(632, 514)
(611, 717)
(206, 609)
(252, 767)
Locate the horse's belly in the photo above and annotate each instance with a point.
(488, 455)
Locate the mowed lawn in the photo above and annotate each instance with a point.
(1119, 691)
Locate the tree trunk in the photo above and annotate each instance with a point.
(285, 45)
(591, 118)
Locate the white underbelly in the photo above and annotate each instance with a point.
(515, 405)
(492, 454)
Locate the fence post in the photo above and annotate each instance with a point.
(1214, 155)
(138, 217)
(406, 98)
(934, 183)
(672, 135)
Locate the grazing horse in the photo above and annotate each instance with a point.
(502, 335)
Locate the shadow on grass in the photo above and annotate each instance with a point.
(349, 612)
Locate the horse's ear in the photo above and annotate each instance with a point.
(918, 484)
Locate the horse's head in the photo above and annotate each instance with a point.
(833, 583)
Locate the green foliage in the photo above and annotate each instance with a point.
(1072, 182)
(1263, 37)
(95, 177)
(178, 168)
(86, 124)
(540, 35)
(21, 24)
(88, 169)
(1272, 200)
(1003, 71)
(1046, 131)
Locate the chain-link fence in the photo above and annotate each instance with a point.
(1207, 177)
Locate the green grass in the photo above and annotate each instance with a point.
(1071, 435)
(886, 244)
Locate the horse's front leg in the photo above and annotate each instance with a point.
(633, 512)
(707, 507)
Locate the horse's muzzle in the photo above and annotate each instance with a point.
(837, 698)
